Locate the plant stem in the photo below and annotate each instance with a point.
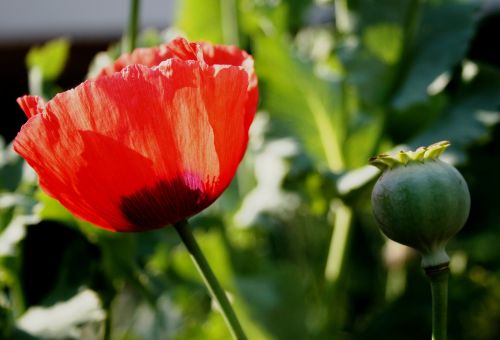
(132, 24)
(334, 270)
(342, 20)
(229, 17)
(210, 280)
(18, 301)
(438, 277)
(107, 323)
(338, 245)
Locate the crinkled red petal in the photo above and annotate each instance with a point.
(31, 105)
(141, 148)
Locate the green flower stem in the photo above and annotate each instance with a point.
(107, 324)
(132, 24)
(334, 270)
(229, 16)
(210, 280)
(339, 242)
(438, 277)
(342, 19)
(18, 301)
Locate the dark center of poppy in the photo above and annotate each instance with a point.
(166, 202)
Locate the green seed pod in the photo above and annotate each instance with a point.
(420, 201)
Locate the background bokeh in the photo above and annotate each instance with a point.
(293, 239)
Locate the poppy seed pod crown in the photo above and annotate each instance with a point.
(420, 201)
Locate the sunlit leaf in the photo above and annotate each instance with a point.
(306, 105)
(361, 142)
(50, 209)
(384, 40)
(14, 233)
(469, 117)
(201, 20)
(49, 58)
(64, 319)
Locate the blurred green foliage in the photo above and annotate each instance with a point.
(292, 240)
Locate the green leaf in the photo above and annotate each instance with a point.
(200, 20)
(384, 40)
(362, 140)
(11, 168)
(373, 63)
(264, 16)
(50, 58)
(441, 43)
(305, 104)
(51, 209)
(281, 308)
(62, 320)
(468, 118)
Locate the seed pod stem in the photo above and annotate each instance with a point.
(435, 258)
(438, 278)
(422, 202)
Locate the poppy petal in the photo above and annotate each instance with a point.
(143, 56)
(31, 105)
(117, 149)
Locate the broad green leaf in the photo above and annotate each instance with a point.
(384, 40)
(201, 20)
(277, 305)
(373, 62)
(64, 319)
(369, 13)
(306, 105)
(442, 40)
(270, 17)
(361, 143)
(50, 58)
(469, 116)
(405, 125)
(51, 209)
(366, 72)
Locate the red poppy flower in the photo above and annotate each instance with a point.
(154, 139)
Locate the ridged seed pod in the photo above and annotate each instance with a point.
(420, 201)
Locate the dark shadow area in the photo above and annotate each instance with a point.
(14, 77)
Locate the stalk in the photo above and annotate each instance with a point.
(438, 278)
(334, 270)
(229, 18)
(210, 280)
(133, 24)
(342, 19)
